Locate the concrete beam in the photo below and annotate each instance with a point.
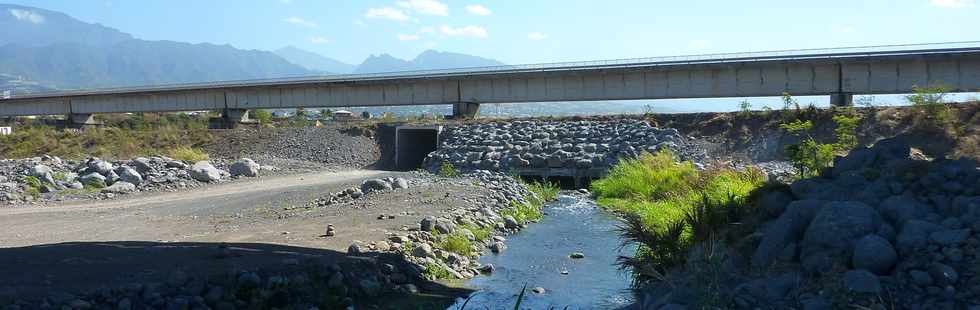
(463, 110)
(230, 119)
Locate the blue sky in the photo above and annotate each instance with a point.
(533, 31)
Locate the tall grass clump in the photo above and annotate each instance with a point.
(530, 211)
(667, 207)
(188, 154)
(456, 243)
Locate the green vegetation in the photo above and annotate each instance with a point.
(263, 116)
(669, 206)
(33, 186)
(479, 233)
(188, 154)
(931, 102)
(809, 155)
(123, 136)
(530, 211)
(434, 271)
(447, 170)
(456, 243)
(744, 108)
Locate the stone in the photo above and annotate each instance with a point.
(427, 224)
(99, 166)
(486, 269)
(836, 228)
(786, 229)
(510, 222)
(950, 237)
(775, 202)
(900, 209)
(875, 254)
(373, 185)
(497, 247)
(399, 183)
(422, 250)
(141, 164)
(862, 281)
(444, 226)
(356, 249)
(943, 274)
(538, 290)
(203, 171)
(915, 234)
(244, 167)
(129, 175)
(120, 187)
(42, 173)
(920, 278)
(577, 255)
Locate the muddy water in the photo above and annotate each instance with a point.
(539, 257)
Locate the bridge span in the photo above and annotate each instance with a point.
(836, 72)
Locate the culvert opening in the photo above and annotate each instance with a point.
(413, 144)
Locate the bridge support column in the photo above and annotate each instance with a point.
(230, 118)
(841, 100)
(463, 110)
(81, 120)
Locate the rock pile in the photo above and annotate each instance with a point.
(503, 146)
(367, 187)
(40, 178)
(878, 223)
(420, 245)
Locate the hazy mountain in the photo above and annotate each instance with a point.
(33, 27)
(57, 51)
(314, 61)
(428, 60)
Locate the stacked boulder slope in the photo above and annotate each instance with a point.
(879, 227)
(505, 146)
(43, 177)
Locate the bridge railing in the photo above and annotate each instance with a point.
(897, 49)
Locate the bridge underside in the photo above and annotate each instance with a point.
(840, 78)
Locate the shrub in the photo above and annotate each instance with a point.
(446, 169)
(523, 212)
(434, 271)
(649, 176)
(744, 108)
(479, 233)
(456, 243)
(263, 116)
(931, 101)
(188, 154)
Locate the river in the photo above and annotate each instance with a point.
(539, 257)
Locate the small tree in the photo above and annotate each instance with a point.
(745, 108)
(808, 156)
(931, 101)
(263, 116)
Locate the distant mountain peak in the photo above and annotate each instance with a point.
(427, 60)
(313, 61)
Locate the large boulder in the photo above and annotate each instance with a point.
(775, 202)
(93, 179)
(874, 253)
(786, 229)
(244, 167)
(120, 187)
(129, 175)
(102, 167)
(42, 173)
(203, 171)
(914, 235)
(835, 229)
(373, 185)
(141, 164)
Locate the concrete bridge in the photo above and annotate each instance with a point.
(838, 72)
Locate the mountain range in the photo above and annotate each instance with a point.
(43, 49)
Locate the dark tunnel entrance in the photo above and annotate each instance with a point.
(413, 144)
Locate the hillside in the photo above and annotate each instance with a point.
(428, 60)
(314, 61)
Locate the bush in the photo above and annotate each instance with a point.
(668, 206)
(446, 169)
(434, 271)
(263, 116)
(931, 101)
(456, 243)
(530, 211)
(188, 154)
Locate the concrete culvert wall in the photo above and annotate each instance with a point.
(413, 144)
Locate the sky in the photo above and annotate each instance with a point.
(532, 31)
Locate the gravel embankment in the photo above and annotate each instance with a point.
(305, 148)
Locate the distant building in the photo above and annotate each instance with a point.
(343, 115)
(280, 114)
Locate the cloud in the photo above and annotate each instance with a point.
(386, 13)
(295, 20)
(319, 40)
(425, 7)
(537, 36)
(467, 31)
(407, 37)
(952, 4)
(478, 10)
(698, 44)
(27, 16)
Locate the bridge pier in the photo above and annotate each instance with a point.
(463, 110)
(81, 120)
(841, 100)
(230, 118)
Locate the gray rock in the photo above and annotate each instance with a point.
(900, 209)
(786, 229)
(93, 179)
(399, 183)
(373, 185)
(120, 187)
(427, 224)
(874, 254)
(203, 171)
(42, 173)
(422, 250)
(577, 255)
(130, 175)
(775, 202)
(836, 228)
(943, 274)
(498, 247)
(862, 281)
(100, 166)
(915, 234)
(950, 237)
(356, 249)
(141, 164)
(444, 226)
(920, 278)
(244, 167)
(510, 222)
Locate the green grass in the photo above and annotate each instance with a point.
(480, 233)
(456, 243)
(30, 139)
(188, 154)
(446, 169)
(530, 211)
(669, 206)
(434, 271)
